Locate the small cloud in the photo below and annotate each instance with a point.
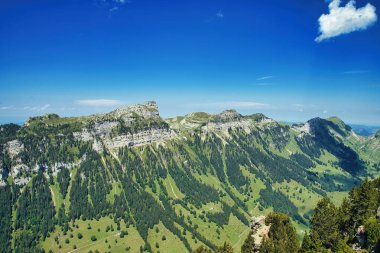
(299, 107)
(6, 107)
(98, 102)
(235, 104)
(111, 5)
(37, 108)
(64, 108)
(356, 72)
(43, 108)
(346, 19)
(220, 14)
(115, 8)
(264, 84)
(40, 108)
(325, 111)
(264, 78)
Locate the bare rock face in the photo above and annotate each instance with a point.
(229, 115)
(226, 120)
(303, 128)
(14, 148)
(260, 230)
(139, 139)
(84, 135)
(231, 119)
(103, 129)
(18, 170)
(360, 238)
(103, 132)
(147, 110)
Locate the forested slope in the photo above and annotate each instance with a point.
(130, 180)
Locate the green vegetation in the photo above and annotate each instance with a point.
(194, 191)
(282, 236)
(34, 216)
(336, 229)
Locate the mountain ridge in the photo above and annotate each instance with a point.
(198, 169)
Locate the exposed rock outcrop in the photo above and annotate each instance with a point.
(139, 139)
(147, 110)
(14, 148)
(360, 239)
(103, 131)
(260, 230)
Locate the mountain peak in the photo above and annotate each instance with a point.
(229, 115)
(339, 122)
(147, 110)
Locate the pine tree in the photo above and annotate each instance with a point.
(282, 236)
(325, 224)
(249, 244)
(226, 248)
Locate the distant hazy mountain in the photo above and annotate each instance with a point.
(130, 180)
(364, 130)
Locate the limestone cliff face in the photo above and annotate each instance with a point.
(147, 111)
(230, 119)
(131, 126)
(134, 125)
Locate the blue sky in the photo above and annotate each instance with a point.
(279, 57)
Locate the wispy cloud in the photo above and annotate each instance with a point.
(111, 5)
(325, 111)
(38, 108)
(263, 84)
(115, 8)
(299, 107)
(98, 102)
(356, 72)
(220, 14)
(233, 104)
(264, 78)
(345, 19)
(6, 107)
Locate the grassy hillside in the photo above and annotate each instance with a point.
(199, 187)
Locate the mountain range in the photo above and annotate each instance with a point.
(129, 180)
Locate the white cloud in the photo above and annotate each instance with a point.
(220, 14)
(114, 9)
(325, 111)
(6, 107)
(233, 104)
(345, 19)
(98, 102)
(38, 108)
(264, 84)
(299, 107)
(264, 78)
